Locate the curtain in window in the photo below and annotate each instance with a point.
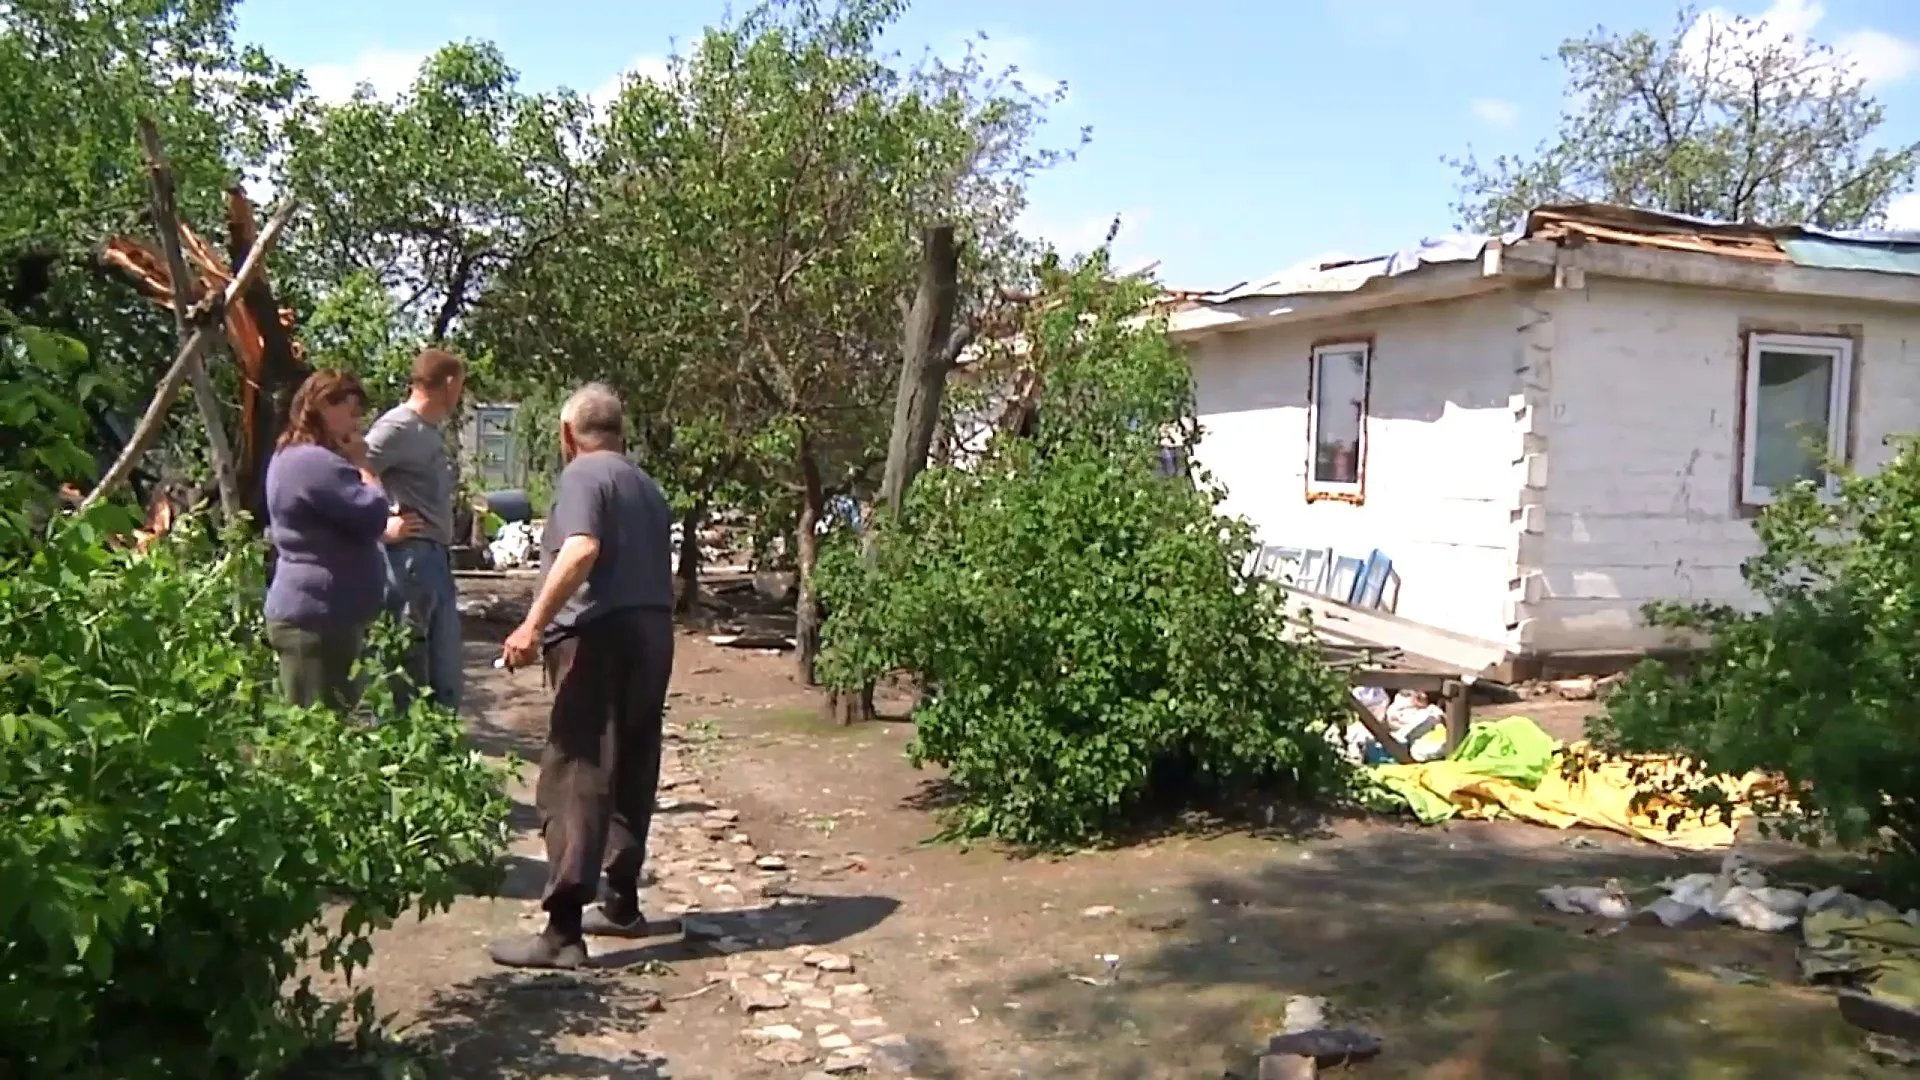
(1790, 411)
(1340, 411)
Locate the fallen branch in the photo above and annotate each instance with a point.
(166, 222)
(204, 335)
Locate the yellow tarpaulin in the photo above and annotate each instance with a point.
(1509, 768)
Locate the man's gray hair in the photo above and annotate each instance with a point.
(595, 415)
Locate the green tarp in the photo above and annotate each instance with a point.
(1512, 748)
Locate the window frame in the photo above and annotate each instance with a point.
(1318, 490)
(1841, 351)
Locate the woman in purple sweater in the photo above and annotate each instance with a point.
(326, 518)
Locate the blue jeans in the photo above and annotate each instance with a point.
(420, 591)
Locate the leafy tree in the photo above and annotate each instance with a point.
(1817, 683)
(1077, 620)
(751, 238)
(1716, 119)
(432, 195)
(175, 843)
(75, 75)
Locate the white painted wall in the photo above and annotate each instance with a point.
(1642, 458)
(1442, 440)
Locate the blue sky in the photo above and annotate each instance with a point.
(1232, 139)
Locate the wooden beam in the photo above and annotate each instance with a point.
(1463, 654)
(166, 222)
(203, 336)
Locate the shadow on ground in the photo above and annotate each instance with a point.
(1440, 946)
(512, 1025)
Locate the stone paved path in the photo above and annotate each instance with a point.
(751, 921)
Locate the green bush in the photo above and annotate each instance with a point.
(178, 848)
(1819, 683)
(1078, 620)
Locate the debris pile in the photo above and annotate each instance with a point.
(516, 545)
(1868, 949)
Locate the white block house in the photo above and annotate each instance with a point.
(1548, 430)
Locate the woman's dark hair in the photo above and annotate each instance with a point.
(322, 389)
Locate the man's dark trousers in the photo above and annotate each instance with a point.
(601, 768)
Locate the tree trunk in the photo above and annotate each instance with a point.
(807, 613)
(690, 557)
(927, 353)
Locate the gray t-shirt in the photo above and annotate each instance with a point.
(607, 497)
(410, 458)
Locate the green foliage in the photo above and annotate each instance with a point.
(432, 195)
(1719, 119)
(74, 77)
(175, 842)
(355, 326)
(46, 386)
(1818, 683)
(761, 199)
(1078, 620)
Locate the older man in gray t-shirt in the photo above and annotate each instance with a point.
(603, 622)
(407, 452)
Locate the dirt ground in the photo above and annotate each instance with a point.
(826, 932)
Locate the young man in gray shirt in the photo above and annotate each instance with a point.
(407, 454)
(602, 619)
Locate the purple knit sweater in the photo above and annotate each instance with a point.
(325, 524)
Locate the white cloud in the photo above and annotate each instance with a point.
(647, 66)
(388, 72)
(1904, 211)
(1879, 57)
(1494, 112)
(1875, 55)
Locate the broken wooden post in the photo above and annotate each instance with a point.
(1459, 695)
(190, 350)
(166, 222)
(927, 355)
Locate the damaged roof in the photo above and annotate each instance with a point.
(1879, 251)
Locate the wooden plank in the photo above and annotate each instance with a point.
(1464, 654)
(1434, 683)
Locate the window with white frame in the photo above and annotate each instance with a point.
(1795, 412)
(1337, 419)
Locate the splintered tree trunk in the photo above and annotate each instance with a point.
(926, 357)
(807, 612)
(690, 557)
(269, 375)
